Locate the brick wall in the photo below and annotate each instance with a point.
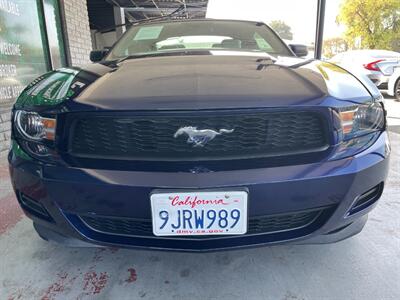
(79, 43)
(5, 127)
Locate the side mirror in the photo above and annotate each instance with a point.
(98, 55)
(299, 49)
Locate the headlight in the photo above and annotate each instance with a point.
(360, 126)
(34, 127)
(35, 134)
(362, 119)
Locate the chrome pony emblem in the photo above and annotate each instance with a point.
(200, 137)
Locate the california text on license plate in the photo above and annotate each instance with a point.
(199, 213)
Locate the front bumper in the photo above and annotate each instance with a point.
(332, 186)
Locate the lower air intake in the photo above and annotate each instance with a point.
(257, 225)
(34, 207)
(366, 199)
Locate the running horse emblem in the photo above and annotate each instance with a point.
(200, 137)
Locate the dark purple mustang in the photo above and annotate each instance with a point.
(199, 135)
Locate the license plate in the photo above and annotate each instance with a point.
(199, 213)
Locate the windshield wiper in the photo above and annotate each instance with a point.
(178, 52)
(266, 59)
(132, 56)
(300, 64)
(261, 60)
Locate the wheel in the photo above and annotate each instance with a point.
(397, 90)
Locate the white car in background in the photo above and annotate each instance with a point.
(378, 65)
(394, 83)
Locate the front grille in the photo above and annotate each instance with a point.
(151, 137)
(263, 224)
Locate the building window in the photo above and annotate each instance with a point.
(54, 31)
(31, 43)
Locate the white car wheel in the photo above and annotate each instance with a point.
(397, 90)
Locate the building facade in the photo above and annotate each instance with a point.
(37, 36)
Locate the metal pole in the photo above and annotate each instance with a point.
(319, 36)
(119, 17)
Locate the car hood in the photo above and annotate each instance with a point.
(197, 82)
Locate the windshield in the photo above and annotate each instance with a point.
(198, 35)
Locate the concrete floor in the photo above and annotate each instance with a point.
(366, 266)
